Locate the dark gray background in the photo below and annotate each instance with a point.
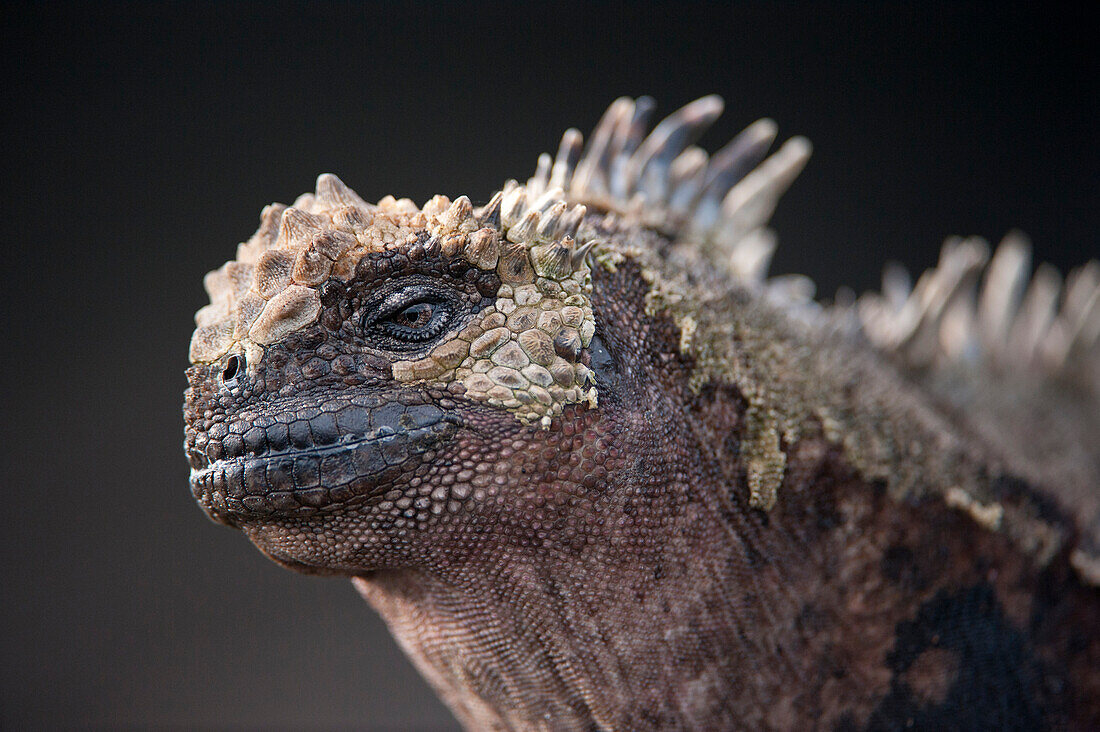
(141, 142)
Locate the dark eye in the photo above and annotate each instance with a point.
(418, 322)
(411, 318)
(415, 317)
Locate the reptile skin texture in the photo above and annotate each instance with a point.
(597, 470)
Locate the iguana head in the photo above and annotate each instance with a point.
(372, 379)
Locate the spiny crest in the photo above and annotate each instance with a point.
(971, 308)
(271, 289)
(722, 202)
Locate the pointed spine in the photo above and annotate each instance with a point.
(526, 229)
(537, 184)
(513, 207)
(553, 260)
(551, 221)
(591, 175)
(296, 227)
(565, 162)
(581, 252)
(489, 215)
(648, 169)
(728, 166)
(334, 192)
(457, 214)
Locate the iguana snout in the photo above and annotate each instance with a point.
(294, 458)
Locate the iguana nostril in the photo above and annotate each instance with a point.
(233, 367)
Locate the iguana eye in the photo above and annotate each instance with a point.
(418, 322)
(416, 317)
(411, 318)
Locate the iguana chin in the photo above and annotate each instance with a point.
(596, 470)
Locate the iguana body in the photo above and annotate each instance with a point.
(595, 471)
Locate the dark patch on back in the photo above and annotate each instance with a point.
(822, 500)
(847, 723)
(810, 620)
(899, 565)
(997, 680)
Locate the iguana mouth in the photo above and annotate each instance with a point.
(297, 462)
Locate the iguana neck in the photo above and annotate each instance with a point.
(571, 622)
(666, 608)
(572, 640)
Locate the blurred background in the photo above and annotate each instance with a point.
(141, 141)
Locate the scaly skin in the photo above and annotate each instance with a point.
(719, 517)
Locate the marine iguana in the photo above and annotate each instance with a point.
(596, 470)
